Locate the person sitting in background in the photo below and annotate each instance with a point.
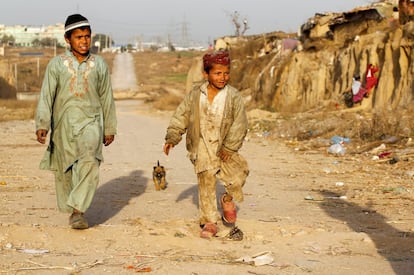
(356, 84)
(358, 90)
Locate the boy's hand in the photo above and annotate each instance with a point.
(167, 148)
(108, 139)
(41, 135)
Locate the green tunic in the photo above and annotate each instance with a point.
(76, 105)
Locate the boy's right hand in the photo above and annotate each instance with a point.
(167, 148)
(41, 135)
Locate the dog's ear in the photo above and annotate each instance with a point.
(155, 167)
(162, 167)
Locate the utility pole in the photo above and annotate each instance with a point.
(184, 34)
(15, 75)
(38, 67)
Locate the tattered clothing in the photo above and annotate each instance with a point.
(209, 128)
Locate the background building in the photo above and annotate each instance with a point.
(28, 36)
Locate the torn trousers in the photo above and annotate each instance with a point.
(232, 173)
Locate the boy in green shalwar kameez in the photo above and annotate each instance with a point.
(76, 105)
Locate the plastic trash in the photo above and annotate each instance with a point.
(263, 258)
(34, 251)
(309, 198)
(410, 173)
(337, 198)
(378, 149)
(266, 134)
(384, 154)
(337, 149)
(339, 140)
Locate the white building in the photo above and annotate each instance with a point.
(25, 35)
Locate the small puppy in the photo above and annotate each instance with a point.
(158, 176)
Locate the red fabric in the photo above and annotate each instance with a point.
(370, 79)
(360, 95)
(218, 57)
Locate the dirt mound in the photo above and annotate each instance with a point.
(329, 51)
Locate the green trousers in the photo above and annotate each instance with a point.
(76, 186)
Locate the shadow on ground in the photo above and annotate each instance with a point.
(114, 195)
(192, 191)
(394, 245)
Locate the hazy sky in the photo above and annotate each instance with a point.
(180, 20)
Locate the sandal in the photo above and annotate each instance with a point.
(78, 221)
(229, 208)
(209, 230)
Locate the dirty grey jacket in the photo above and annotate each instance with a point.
(186, 120)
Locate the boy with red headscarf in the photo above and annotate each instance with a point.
(214, 120)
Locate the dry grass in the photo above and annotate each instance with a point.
(12, 109)
(163, 68)
(30, 71)
(166, 102)
(315, 129)
(163, 75)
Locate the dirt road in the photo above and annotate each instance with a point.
(123, 76)
(292, 211)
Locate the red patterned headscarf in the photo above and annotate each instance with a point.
(217, 57)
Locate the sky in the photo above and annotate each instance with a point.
(179, 21)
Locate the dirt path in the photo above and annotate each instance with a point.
(292, 210)
(123, 76)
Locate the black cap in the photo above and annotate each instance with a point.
(75, 21)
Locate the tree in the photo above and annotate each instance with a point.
(36, 42)
(48, 42)
(235, 19)
(45, 42)
(7, 39)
